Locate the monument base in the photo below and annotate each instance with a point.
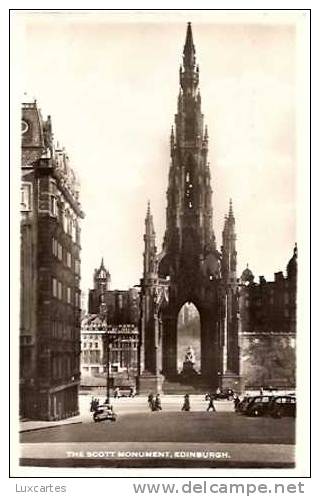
(233, 381)
(149, 383)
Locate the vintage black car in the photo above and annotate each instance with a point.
(283, 405)
(259, 405)
(228, 394)
(104, 412)
(242, 406)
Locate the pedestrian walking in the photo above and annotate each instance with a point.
(236, 402)
(150, 401)
(261, 390)
(116, 393)
(186, 403)
(211, 404)
(92, 404)
(157, 403)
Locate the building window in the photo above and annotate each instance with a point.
(59, 290)
(68, 259)
(59, 252)
(74, 230)
(65, 220)
(26, 197)
(69, 225)
(54, 287)
(77, 266)
(54, 247)
(69, 295)
(53, 205)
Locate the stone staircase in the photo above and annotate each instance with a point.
(178, 387)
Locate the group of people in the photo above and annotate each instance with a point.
(154, 403)
(95, 403)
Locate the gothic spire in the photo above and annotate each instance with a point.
(149, 221)
(189, 50)
(230, 216)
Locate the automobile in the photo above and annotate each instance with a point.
(104, 412)
(242, 406)
(283, 405)
(228, 393)
(258, 405)
(126, 391)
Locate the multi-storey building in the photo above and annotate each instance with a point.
(109, 333)
(50, 274)
(122, 305)
(268, 326)
(123, 347)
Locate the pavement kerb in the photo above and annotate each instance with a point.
(49, 426)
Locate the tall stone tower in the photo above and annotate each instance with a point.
(229, 275)
(190, 268)
(101, 278)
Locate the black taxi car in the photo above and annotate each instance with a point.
(259, 405)
(283, 405)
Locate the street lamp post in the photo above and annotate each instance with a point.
(108, 341)
(219, 380)
(108, 370)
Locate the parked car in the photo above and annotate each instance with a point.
(228, 394)
(283, 405)
(242, 406)
(259, 405)
(104, 412)
(126, 391)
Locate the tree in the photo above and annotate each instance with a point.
(269, 360)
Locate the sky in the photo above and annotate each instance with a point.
(110, 83)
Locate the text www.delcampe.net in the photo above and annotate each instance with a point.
(206, 487)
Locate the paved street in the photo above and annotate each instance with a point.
(228, 427)
(248, 442)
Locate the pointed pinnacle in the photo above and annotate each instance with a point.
(230, 208)
(189, 49)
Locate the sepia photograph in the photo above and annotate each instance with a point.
(157, 177)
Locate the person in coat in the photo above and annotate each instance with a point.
(186, 403)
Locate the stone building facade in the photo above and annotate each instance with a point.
(123, 347)
(50, 297)
(112, 322)
(122, 306)
(268, 321)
